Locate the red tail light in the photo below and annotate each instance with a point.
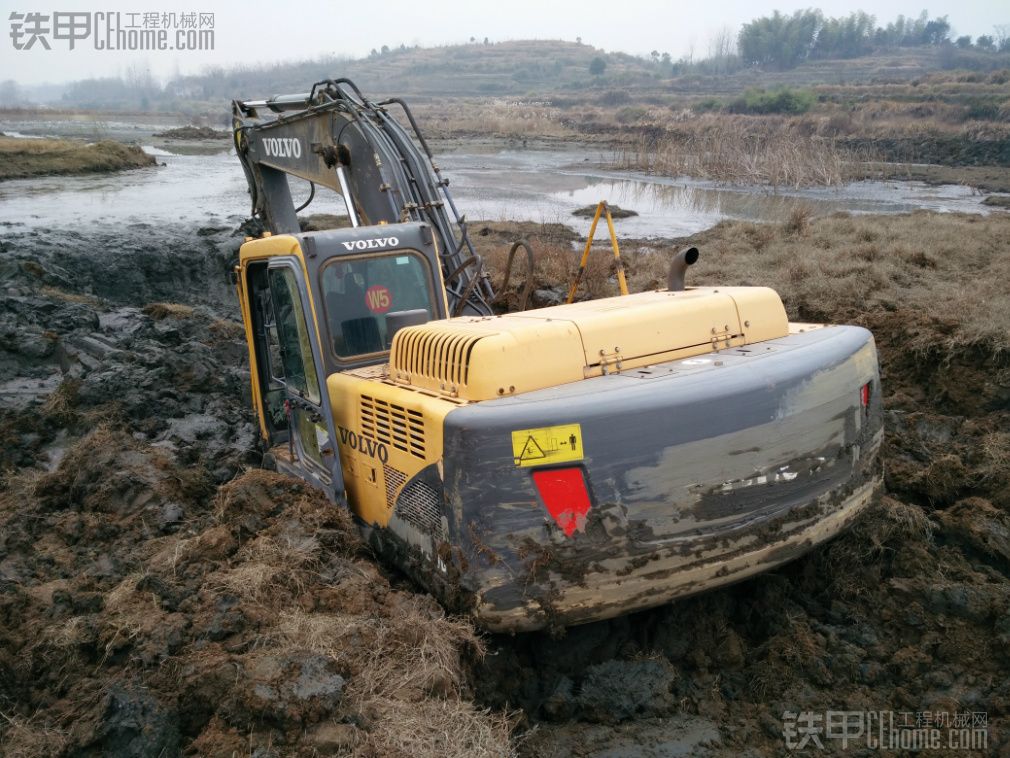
(565, 496)
(864, 395)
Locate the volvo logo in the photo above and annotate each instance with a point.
(376, 244)
(363, 444)
(282, 147)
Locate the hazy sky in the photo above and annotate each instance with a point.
(250, 32)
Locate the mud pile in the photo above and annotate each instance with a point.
(191, 132)
(159, 593)
(23, 158)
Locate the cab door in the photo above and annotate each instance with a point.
(289, 359)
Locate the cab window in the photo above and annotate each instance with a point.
(290, 334)
(361, 292)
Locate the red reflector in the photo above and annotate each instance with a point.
(864, 395)
(564, 493)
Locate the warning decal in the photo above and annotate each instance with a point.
(547, 445)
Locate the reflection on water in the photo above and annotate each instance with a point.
(547, 187)
(205, 184)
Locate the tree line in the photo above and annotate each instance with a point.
(785, 41)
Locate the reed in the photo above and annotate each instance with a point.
(722, 153)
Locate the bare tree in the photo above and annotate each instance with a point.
(721, 48)
(10, 93)
(722, 43)
(1002, 34)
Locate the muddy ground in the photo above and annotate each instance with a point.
(160, 595)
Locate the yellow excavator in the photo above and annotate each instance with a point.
(535, 469)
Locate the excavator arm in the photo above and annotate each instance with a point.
(334, 137)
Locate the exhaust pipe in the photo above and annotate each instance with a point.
(678, 267)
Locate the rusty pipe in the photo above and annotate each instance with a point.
(678, 267)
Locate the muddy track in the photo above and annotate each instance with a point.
(159, 595)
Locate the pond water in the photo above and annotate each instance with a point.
(205, 185)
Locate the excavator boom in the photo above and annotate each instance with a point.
(334, 137)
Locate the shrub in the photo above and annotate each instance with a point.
(706, 105)
(630, 114)
(614, 97)
(783, 100)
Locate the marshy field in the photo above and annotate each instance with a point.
(161, 594)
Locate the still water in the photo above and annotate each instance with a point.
(206, 186)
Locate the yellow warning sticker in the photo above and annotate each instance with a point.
(547, 445)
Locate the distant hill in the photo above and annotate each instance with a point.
(526, 69)
(513, 69)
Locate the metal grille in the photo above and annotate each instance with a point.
(394, 479)
(421, 506)
(394, 425)
(439, 355)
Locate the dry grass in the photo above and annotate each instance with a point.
(292, 568)
(31, 738)
(161, 311)
(223, 329)
(21, 158)
(944, 273)
(69, 297)
(740, 151)
(897, 519)
(61, 403)
(492, 118)
(887, 528)
(269, 569)
(407, 678)
(450, 728)
(995, 449)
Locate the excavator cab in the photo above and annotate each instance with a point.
(316, 303)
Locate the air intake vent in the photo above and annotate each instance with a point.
(420, 505)
(440, 355)
(394, 479)
(394, 425)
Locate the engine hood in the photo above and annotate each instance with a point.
(479, 358)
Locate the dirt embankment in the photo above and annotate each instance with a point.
(193, 133)
(23, 158)
(160, 595)
(940, 149)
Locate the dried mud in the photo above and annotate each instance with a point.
(161, 595)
